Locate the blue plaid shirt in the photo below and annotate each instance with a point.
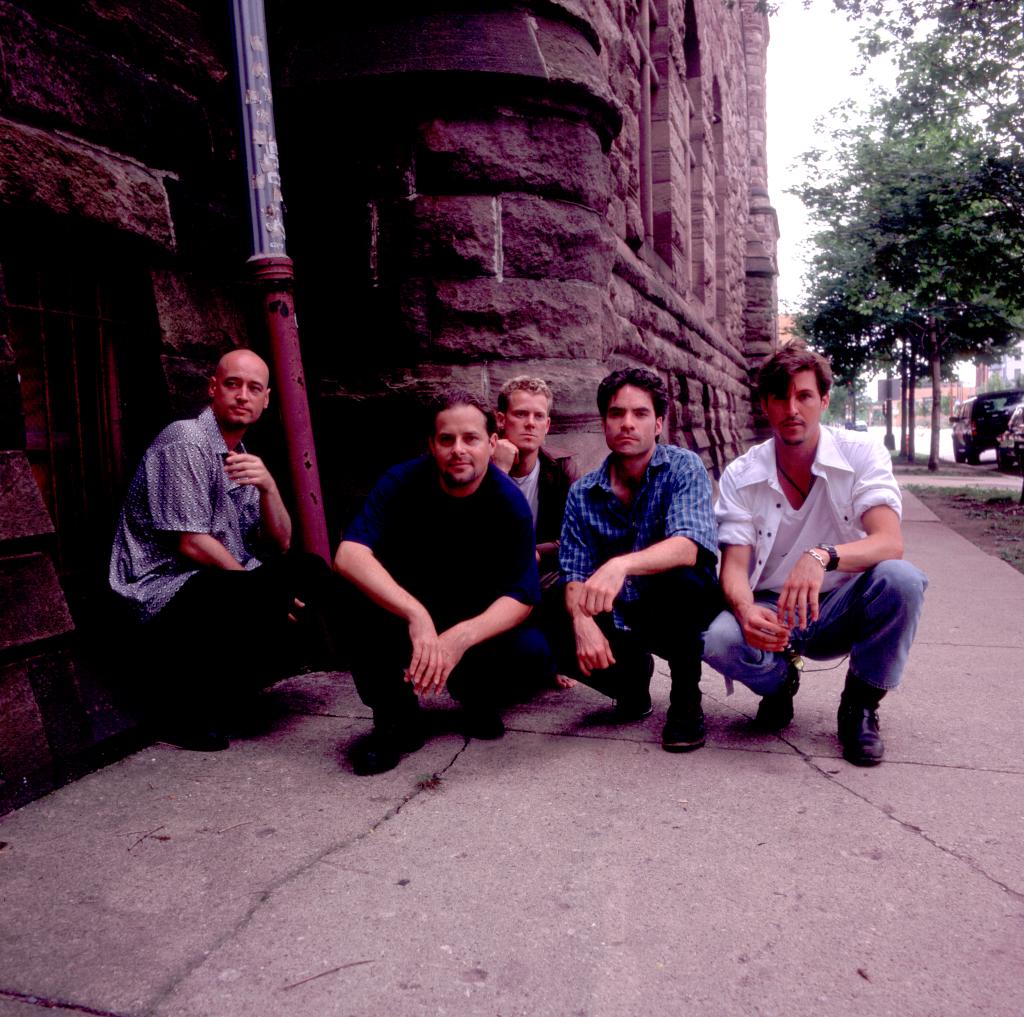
(674, 500)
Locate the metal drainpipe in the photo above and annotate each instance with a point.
(272, 269)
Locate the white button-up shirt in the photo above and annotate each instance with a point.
(856, 470)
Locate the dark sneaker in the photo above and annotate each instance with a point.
(858, 734)
(775, 710)
(684, 730)
(382, 749)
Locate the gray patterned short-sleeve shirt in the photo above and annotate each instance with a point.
(179, 487)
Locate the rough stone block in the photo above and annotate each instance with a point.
(33, 605)
(49, 173)
(448, 235)
(129, 85)
(22, 512)
(199, 318)
(24, 749)
(555, 240)
(519, 319)
(540, 154)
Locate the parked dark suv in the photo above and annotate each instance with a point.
(1011, 441)
(978, 422)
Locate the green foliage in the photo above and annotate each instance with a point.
(958, 60)
(920, 202)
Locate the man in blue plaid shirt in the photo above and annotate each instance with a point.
(638, 553)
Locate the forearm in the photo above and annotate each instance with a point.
(504, 614)
(735, 579)
(206, 550)
(860, 555)
(275, 523)
(358, 564)
(573, 596)
(670, 553)
(884, 541)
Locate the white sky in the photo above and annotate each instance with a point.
(810, 60)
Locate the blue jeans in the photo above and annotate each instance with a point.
(873, 619)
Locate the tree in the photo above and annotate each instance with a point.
(961, 61)
(922, 227)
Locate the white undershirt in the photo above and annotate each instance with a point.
(528, 485)
(799, 529)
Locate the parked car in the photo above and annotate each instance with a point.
(978, 422)
(856, 425)
(1011, 441)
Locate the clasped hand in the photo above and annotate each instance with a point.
(434, 656)
(598, 593)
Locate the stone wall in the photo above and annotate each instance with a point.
(486, 217)
(117, 155)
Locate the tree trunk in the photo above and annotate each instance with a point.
(904, 385)
(890, 443)
(911, 398)
(935, 354)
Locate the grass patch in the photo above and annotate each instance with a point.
(990, 518)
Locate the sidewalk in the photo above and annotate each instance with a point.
(571, 868)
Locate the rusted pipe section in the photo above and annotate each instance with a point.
(274, 276)
(272, 268)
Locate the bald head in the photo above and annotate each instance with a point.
(239, 391)
(242, 360)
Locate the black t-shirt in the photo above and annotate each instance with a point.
(455, 555)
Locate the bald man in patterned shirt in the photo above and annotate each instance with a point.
(199, 510)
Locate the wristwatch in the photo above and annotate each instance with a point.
(833, 557)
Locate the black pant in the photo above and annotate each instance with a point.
(669, 616)
(502, 670)
(224, 632)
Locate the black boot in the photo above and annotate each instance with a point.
(635, 704)
(684, 728)
(391, 738)
(775, 711)
(858, 722)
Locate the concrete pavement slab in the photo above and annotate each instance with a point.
(547, 877)
(148, 863)
(570, 868)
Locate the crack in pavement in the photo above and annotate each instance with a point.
(46, 1003)
(265, 895)
(960, 856)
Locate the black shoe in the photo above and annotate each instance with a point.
(382, 749)
(637, 704)
(857, 721)
(858, 734)
(634, 708)
(684, 730)
(195, 737)
(775, 711)
(483, 722)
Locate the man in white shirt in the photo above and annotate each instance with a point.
(809, 526)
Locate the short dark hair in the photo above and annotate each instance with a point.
(638, 377)
(449, 399)
(778, 370)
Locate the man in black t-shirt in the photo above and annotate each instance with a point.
(444, 601)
